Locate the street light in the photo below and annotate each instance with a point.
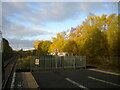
(1, 62)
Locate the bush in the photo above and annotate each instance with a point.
(25, 62)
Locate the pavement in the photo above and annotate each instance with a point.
(29, 80)
(24, 80)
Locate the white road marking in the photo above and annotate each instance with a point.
(77, 84)
(103, 81)
(13, 80)
(19, 85)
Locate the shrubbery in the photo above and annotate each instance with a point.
(24, 63)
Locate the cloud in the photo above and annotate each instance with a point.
(24, 44)
(24, 32)
(40, 13)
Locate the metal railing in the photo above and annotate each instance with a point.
(58, 62)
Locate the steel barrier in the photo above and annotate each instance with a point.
(63, 62)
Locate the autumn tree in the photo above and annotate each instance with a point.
(91, 37)
(42, 47)
(70, 46)
(36, 44)
(45, 47)
(113, 36)
(97, 38)
(58, 42)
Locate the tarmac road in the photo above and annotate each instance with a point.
(84, 79)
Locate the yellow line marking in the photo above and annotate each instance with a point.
(118, 74)
(103, 81)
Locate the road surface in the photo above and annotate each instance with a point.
(84, 79)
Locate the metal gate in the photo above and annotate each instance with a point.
(49, 63)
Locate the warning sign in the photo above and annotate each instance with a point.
(37, 61)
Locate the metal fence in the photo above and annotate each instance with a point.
(63, 62)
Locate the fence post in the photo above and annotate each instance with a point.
(51, 62)
(61, 62)
(74, 62)
(56, 62)
(45, 62)
(39, 64)
(30, 65)
(62, 58)
(85, 61)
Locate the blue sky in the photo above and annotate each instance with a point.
(23, 23)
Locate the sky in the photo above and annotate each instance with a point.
(24, 23)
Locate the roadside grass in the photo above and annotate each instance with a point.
(110, 63)
(106, 67)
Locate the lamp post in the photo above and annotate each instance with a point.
(1, 62)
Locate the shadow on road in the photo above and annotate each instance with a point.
(90, 67)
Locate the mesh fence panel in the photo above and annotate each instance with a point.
(59, 62)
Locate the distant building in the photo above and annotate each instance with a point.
(62, 54)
